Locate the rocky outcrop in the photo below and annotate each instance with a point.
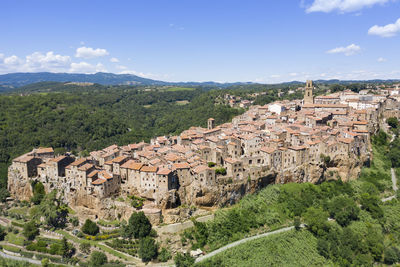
(19, 187)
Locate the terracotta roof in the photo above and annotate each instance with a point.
(119, 159)
(99, 181)
(231, 160)
(85, 167)
(23, 159)
(183, 165)
(201, 168)
(164, 171)
(268, 150)
(44, 150)
(58, 159)
(93, 173)
(149, 169)
(132, 165)
(105, 175)
(346, 140)
(78, 162)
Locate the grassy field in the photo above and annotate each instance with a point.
(294, 248)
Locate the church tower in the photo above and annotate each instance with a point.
(308, 94)
(210, 124)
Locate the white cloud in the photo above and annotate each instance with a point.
(293, 74)
(47, 62)
(12, 61)
(275, 76)
(388, 30)
(84, 67)
(342, 6)
(88, 52)
(114, 60)
(347, 51)
(382, 59)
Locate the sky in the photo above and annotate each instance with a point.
(261, 41)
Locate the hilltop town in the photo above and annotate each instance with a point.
(310, 140)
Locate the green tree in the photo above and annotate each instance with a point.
(297, 223)
(391, 255)
(38, 193)
(52, 210)
(138, 226)
(316, 220)
(67, 250)
(97, 259)
(393, 122)
(31, 230)
(3, 233)
(90, 227)
(343, 209)
(164, 255)
(371, 204)
(183, 260)
(4, 194)
(84, 247)
(147, 249)
(74, 221)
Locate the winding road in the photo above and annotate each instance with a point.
(394, 182)
(234, 244)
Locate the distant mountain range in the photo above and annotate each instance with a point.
(21, 79)
(13, 80)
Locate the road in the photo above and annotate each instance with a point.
(394, 182)
(234, 244)
(3, 255)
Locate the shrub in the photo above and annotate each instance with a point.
(147, 249)
(85, 247)
(220, 171)
(97, 259)
(74, 221)
(2, 233)
(31, 230)
(183, 260)
(164, 255)
(90, 228)
(391, 255)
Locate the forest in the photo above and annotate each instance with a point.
(81, 119)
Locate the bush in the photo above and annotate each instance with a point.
(90, 228)
(85, 247)
(74, 221)
(391, 255)
(220, 171)
(97, 259)
(147, 249)
(183, 260)
(38, 193)
(164, 255)
(31, 230)
(2, 233)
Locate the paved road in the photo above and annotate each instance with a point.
(3, 255)
(234, 244)
(394, 182)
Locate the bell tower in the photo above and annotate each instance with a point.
(308, 93)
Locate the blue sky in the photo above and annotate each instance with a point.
(219, 40)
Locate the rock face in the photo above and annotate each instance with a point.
(18, 187)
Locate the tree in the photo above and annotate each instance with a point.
(67, 250)
(183, 260)
(138, 226)
(38, 193)
(371, 204)
(2, 233)
(97, 259)
(147, 249)
(31, 230)
(391, 255)
(164, 255)
(45, 262)
(84, 247)
(297, 223)
(393, 122)
(74, 221)
(343, 209)
(316, 220)
(4, 194)
(90, 227)
(52, 210)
